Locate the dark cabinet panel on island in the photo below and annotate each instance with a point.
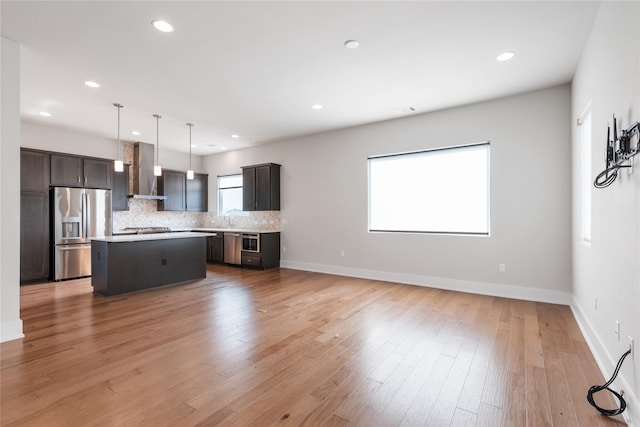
(261, 187)
(125, 266)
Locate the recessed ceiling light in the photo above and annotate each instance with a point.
(405, 110)
(505, 56)
(223, 148)
(91, 84)
(135, 132)
(316, 107)
(193, 145)
(235, 136)
(163, 26)
(45, 114)
(351, 44)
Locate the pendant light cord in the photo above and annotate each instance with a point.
(190, 126)
(158, 117)
(119, 106)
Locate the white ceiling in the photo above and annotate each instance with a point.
(255, 68)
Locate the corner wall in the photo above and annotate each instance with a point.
(10, 322)
(608, 270)
(324, 199)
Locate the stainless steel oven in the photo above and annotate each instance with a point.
(251, 242)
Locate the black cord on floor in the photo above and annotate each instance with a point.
(596, 388)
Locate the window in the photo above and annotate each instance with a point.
(444, 190)
(584, 152)
(230, 195)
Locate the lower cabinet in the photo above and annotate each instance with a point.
(215, 248)
(251, 259)
(269, 254)
(34, 237)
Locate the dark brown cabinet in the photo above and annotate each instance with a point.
(97, 173)
(120, 190)
(268, 255)
(119, 267)
(183, 194)
(34, 216)
(198, 193)
(172, 184)
(74, 171)
(66, 171)
(34, 171)
(215, 248)
(261, 187)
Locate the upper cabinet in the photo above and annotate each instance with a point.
(120, 189)
(34, 171)
(183, 194)
(172, 184)
(97, 173)
(261, 187)
(198, 193)
(73, 171)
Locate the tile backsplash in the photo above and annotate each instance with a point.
(143, 213)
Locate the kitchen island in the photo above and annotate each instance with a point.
(127, 263)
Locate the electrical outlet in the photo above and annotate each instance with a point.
(502, 268)
(342, 253)
(284, 249)
(631, 346)
(616, 331)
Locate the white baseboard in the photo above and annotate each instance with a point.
(607, 364)
(482, 288)
(11, 330)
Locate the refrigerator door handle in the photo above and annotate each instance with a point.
(84, 215)
(74, 247)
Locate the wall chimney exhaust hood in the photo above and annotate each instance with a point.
(144, 181)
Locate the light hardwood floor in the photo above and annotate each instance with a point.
(293, 348)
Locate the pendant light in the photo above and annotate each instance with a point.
(118, 165)
(157, 170)
(190, 171)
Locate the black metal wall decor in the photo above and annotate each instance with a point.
(619, 150)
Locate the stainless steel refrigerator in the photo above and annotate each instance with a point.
(77, 215)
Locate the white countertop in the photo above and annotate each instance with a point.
(233, 230)
(144, 237)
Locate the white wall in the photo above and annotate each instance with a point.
(10, 323)
(51, 138)
(324, 199)
(608, 75)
